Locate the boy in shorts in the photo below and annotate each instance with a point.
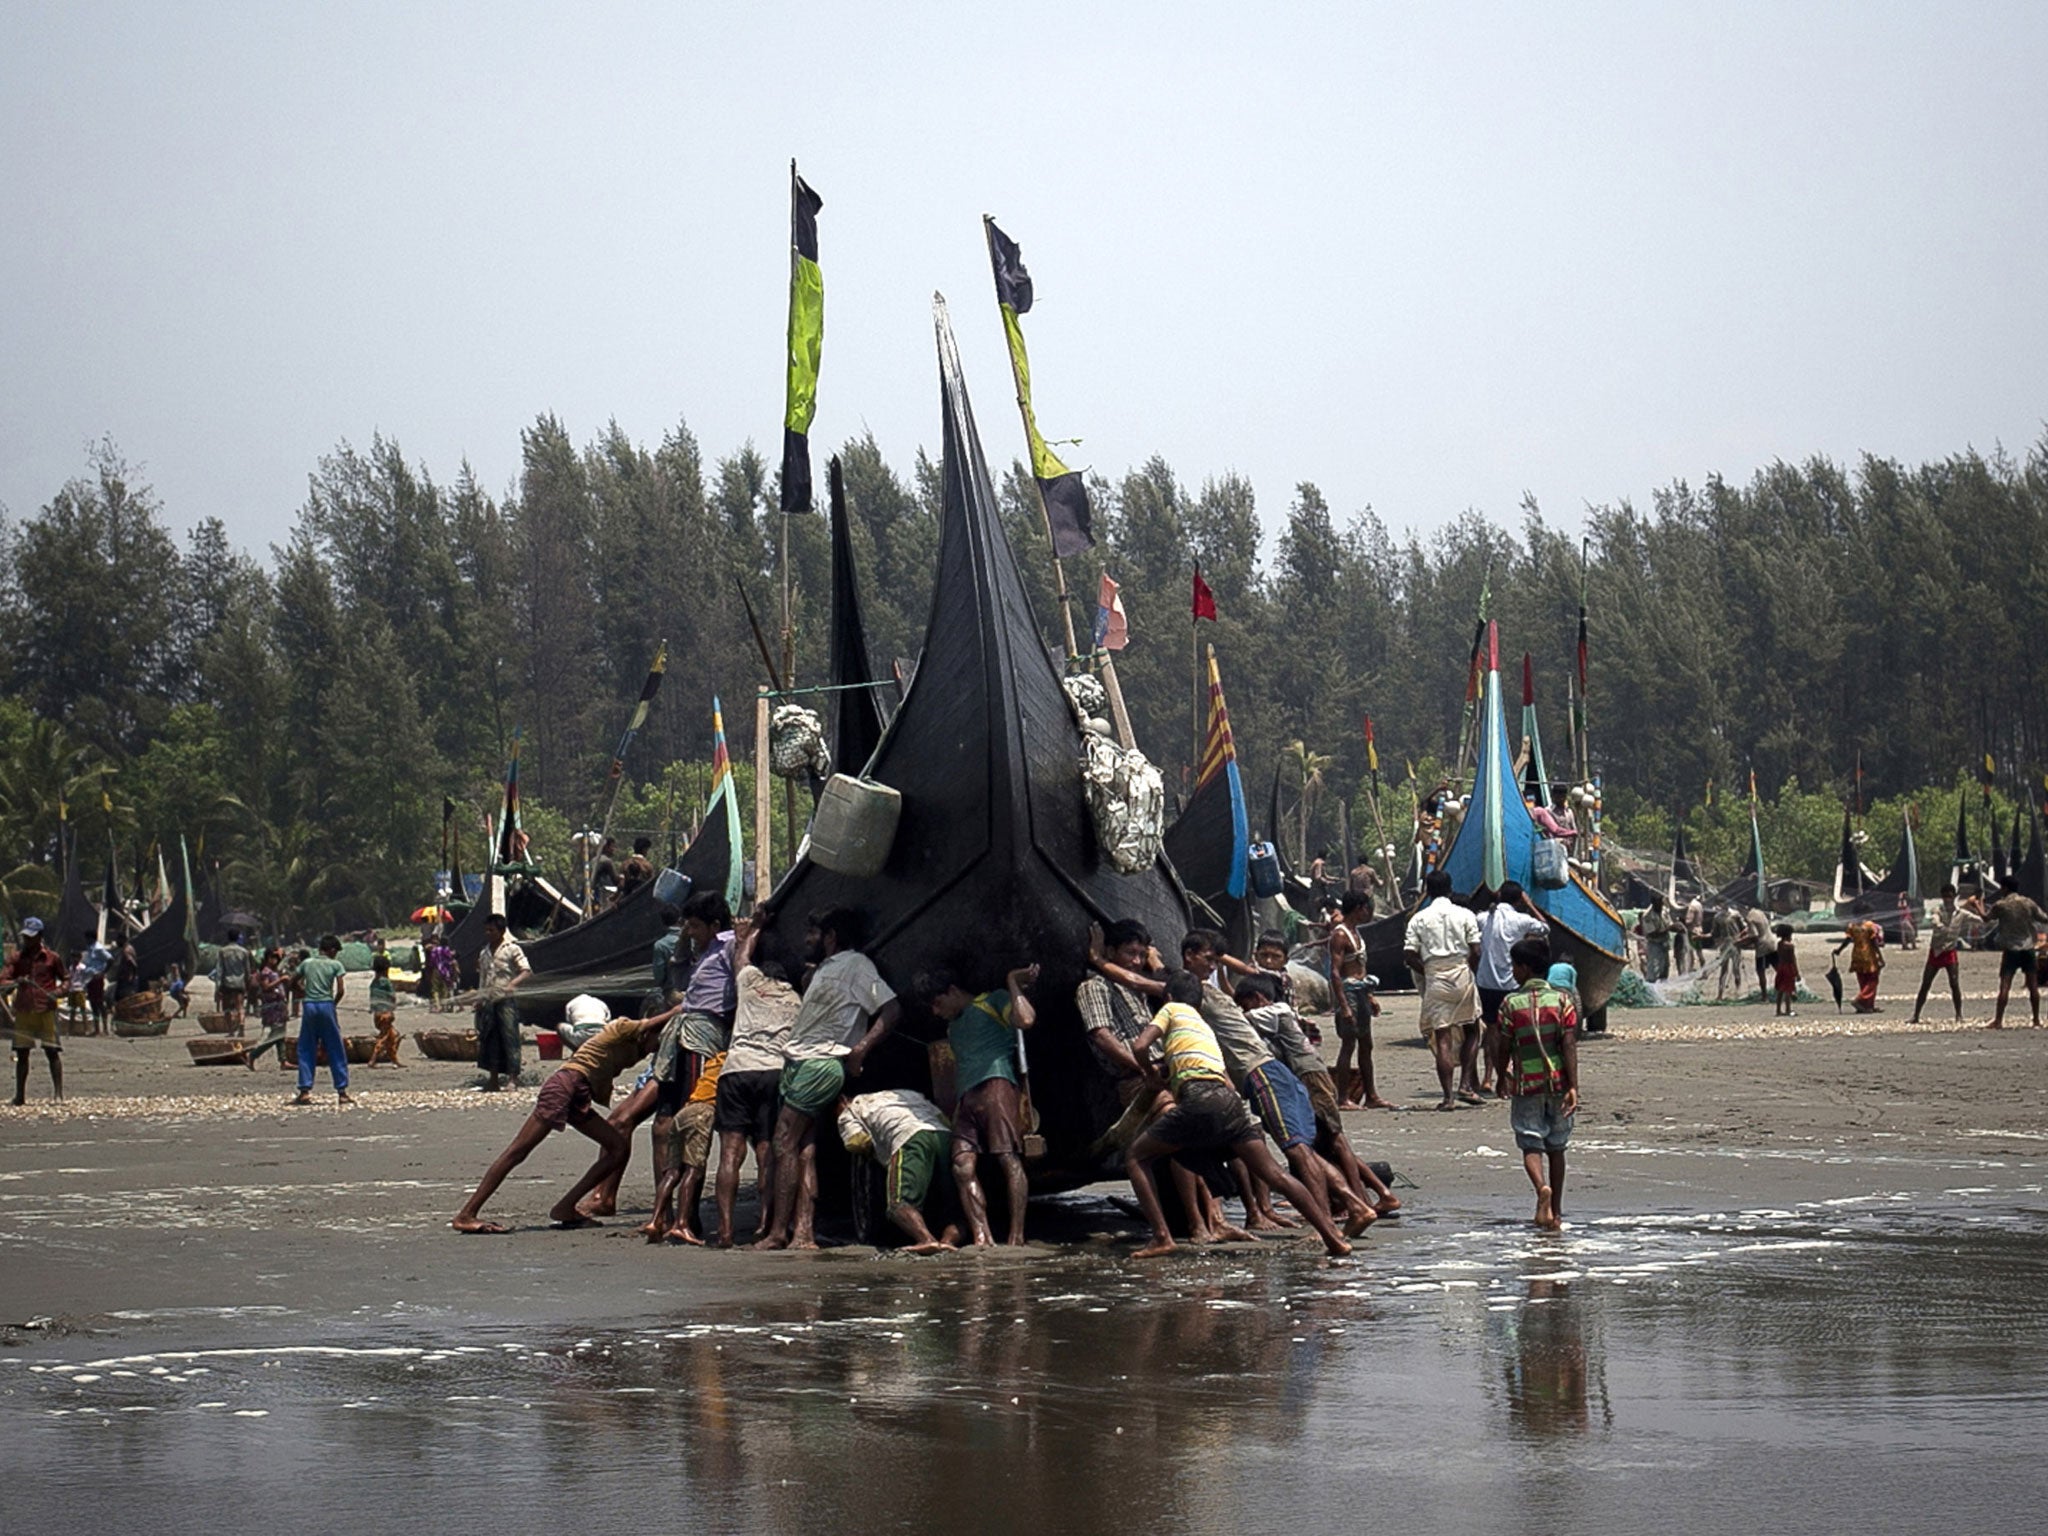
(904, 1132)
(846, 1012)
(750, 1083)
(1207, 1113)
(988, 1120)
(1282, 1029)
(1538, 1059)
(1944, 947)
(566, 1099)
(685, 1158)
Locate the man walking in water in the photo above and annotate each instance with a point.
(1443, 944)
(1539, 1063)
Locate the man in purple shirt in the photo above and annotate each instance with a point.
(698, 1034)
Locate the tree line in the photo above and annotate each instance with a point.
(298, 715)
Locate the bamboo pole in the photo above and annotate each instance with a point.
(763, 813)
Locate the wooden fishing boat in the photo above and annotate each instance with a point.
(995, 861)
(446, 1044)
(164, 942)
(219, 1051)
(357, 1048)
(1496, 842)
(1752, 887)
(1880, 900)
(76, 918)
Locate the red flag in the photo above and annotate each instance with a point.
(1205, 600)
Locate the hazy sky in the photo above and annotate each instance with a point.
(1428, 256)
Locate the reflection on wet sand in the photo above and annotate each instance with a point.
(1470, 1371)
(1549, 1374)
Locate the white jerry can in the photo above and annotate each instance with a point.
(854, 825)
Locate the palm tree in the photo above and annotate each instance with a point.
(1309, 768)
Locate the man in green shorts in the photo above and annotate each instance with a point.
(847, 1008)
(904, 1132)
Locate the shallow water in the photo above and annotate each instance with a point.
(1860, 1364)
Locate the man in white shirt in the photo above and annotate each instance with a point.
(904, 1132)
(1443, 944)
(847, 1009)
(1511, 918)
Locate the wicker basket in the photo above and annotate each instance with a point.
(446, 1044)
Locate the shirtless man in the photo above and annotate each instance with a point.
(565, 1100)
(1944, 951)
(1351, 997)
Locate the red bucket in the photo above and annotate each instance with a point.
(550, 1044)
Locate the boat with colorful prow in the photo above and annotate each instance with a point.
(1496, 842)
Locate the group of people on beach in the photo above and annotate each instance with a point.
(1219, 1091)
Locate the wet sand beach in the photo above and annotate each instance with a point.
(1803, 1263)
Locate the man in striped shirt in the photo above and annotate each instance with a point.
(1539, 1063)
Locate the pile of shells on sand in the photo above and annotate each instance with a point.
(1817, 1026)
(253, 1106)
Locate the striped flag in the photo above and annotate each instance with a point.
(806, 342)
(1219, 760)
(722, 785)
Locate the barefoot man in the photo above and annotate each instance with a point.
(1944, 949)
(565, 1100)
(1443, 946)
(904, 1132)
(2015, 919)
(846, 1011)
(1351, 997)
(1207, 1113)
(750, 1086)
(1539, 1062)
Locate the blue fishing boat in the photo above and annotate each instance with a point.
(1496, 842)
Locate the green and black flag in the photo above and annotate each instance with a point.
(1064, 493)
(806, 341)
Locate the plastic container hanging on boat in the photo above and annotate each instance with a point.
(1550, 867)
(1263, 866)
(855, 825)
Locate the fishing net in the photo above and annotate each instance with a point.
(796, 743)
(1126, 800)
(1125, 794)
(1089, 698)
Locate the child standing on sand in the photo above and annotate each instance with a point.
(1785, 961)
(384, 1012)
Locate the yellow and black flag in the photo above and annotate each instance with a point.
(1064, 493)
(806, 342)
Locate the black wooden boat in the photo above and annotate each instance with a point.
(994, 862)
(164, 942)
(2032, 871)
(857, 714)
(1882, 901)
(77, 919)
